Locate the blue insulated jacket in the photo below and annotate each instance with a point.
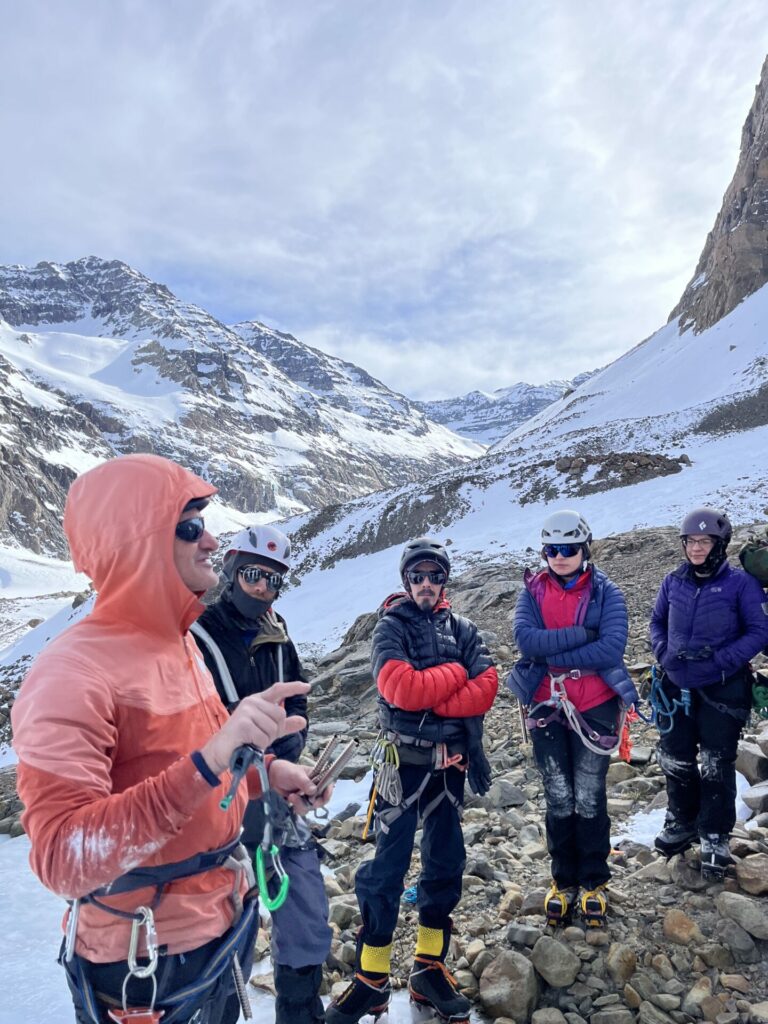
(703, 633)
(604, 611)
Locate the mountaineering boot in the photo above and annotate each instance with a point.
(369, 991)
(430, 982)
(363, 995)
(675, 837)
(298, 994)
(594, 905)
(559, 904)
(715, 856)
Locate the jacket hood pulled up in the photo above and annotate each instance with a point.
(120, 519)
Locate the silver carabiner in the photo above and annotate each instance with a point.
(145, 920)
(71, 932)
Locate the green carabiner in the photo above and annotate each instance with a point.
(271, 902)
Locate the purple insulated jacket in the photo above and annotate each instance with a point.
(703, 634)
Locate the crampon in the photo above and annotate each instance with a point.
(593, 906)
(716, 859)
(559, 904)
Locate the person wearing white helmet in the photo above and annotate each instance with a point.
(246, 646)
(571, 629)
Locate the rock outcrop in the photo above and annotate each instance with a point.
(734, 262)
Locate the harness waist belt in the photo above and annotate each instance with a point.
(162, 874)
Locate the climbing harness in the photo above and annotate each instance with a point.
(664, 708)
(392, 750)
(563, 710)
(182, 1003)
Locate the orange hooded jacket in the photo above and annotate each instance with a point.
(111, 710)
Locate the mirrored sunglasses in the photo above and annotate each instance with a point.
(434, 577)
(191, 530)
(252, 574)
(566, 550)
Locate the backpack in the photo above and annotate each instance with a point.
(754, 557)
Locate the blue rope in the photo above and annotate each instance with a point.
(664, 707)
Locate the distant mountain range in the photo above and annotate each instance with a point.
(487, 418)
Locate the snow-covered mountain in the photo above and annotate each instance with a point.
(680, 420)
(487, 418)
(97, 360)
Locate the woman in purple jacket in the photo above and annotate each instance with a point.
(708, 621)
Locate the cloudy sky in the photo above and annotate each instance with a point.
(451, 193)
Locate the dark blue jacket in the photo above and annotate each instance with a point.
(703, 632)
(425, 639)
(604, 611)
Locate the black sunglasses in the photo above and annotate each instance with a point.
(566, 550)
(191, 530)
(419, 577)
(252, 574)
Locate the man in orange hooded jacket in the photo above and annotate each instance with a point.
(124, 748)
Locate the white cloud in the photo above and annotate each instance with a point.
(494, 187)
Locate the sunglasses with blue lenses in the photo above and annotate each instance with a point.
(190, 530)
(434, 577)
(252, 574)
(566, 550)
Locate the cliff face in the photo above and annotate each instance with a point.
(734, 262)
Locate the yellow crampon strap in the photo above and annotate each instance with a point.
(594, 915)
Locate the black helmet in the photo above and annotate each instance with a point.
(707, 520)
(717, 526)
(424, 549)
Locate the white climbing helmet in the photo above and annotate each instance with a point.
(565, 527)
(264, 543)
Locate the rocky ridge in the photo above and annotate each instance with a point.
(734, 261)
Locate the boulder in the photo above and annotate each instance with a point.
(752, 874)
(756, 797)
(751, 915)
(557, 964)
(621, 962)
(752, 762)
(508, 987)
(680, 928)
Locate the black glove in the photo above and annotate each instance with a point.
(479, 772)
(592, 635)
(703, 654)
